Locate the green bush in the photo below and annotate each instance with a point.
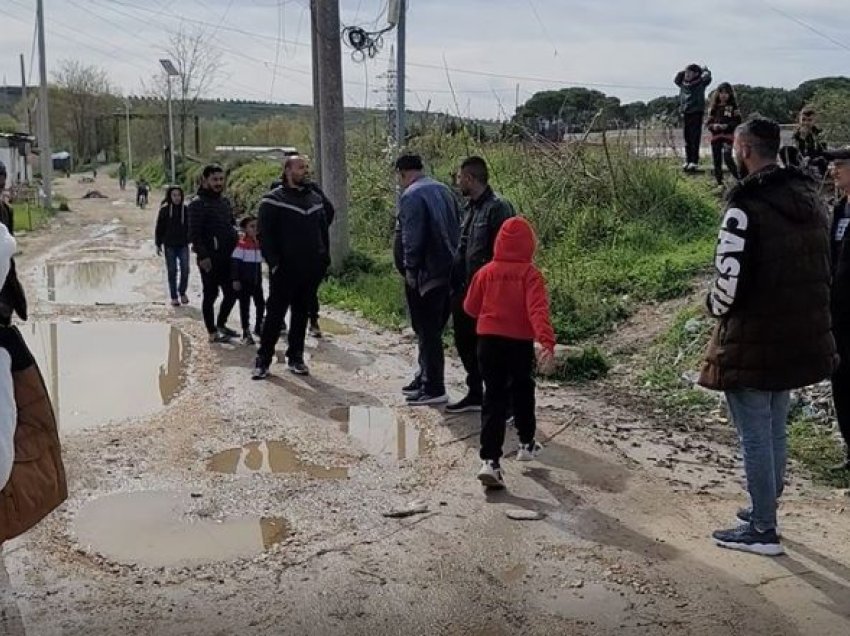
(590, 365)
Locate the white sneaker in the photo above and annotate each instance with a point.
(528, 452)
(491, 476)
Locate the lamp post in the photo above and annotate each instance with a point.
(170, 71)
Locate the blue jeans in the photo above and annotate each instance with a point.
(173, 255)
(761, 418)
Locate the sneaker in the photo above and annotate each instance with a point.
(412, 389)
(228, 332)
(468, 404)
(686, 165)
(424, 399)
(744, 516)
(528, 452)
(247, 338)
(298, 368)
(175, 302)
(748, 539)
(261, 370)
(315, 329)
(184, 299)
(491, 476)
(219, 337)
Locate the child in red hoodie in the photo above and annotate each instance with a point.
(246, 265)
(508, 298)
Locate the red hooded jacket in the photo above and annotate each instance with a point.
(508, 295)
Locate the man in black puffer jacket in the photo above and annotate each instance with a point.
(294, 239)
(213, 236)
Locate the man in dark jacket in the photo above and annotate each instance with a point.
(692, 83)
(6, 217)
(771, 297)
(213, 236)
(841, 299)
(295, 243)
(172, 233)
(427, 237)
(12, 297)
(485, 213)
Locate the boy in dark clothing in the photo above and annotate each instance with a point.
(692, 83)
(508, 299)
(808, 141)
(723, 118)
(172, 232)
(247, 265)
(213, 236)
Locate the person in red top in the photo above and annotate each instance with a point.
(509, 300)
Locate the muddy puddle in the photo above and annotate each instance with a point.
(105, 281)
(270, 457)
(162, 529)
(103, 372)
(377, 431)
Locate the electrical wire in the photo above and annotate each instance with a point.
(806, 25)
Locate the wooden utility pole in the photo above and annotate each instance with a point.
(43, 116)
(317, 103)
(332, 124)
(29, 121)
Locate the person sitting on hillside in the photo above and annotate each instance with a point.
(692, 83)
(808, 140)
(723, 118)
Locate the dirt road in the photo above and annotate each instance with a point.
(204, 503)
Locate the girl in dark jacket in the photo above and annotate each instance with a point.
(172, 232)
(723, 118)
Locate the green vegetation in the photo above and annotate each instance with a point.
(588, 366)
(815, 446)
(29, 217)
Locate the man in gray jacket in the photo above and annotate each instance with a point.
(485, 213)
(427, 235)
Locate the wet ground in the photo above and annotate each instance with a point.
(204, 503)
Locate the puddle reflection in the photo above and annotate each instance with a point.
(96, 281)
(269, 457)
(381, 434)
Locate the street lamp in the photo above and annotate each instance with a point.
(170, 71)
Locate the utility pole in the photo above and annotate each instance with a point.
(317, 102)
(27, 106)
(332, 123)
(43, 116)
(129, 140)
(170, 71)
(401, 59)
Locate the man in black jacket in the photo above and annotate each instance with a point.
(293, 224)
(485, 213)
(692, 82)
(172, 233)
(213, 236)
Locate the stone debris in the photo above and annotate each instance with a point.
(411, 509)
(524, 515)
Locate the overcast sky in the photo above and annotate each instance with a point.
(628, 48)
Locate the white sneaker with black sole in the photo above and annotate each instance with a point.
(528, 452)
(424, 399)
(491, 476)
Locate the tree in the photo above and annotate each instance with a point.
(833, 108)
(200, 66)
(9, 123)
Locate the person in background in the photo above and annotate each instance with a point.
(172, 233)
(485, 213)
(6, 214)
(692, 82)
(122, 175)
(771, 299)
(426, 242)
(32, 476)
(808, 140)
(293, 230)
(841, 299)
(142, 190)
(508, 299)
(213, 236)
(248, 279)
(723, 118)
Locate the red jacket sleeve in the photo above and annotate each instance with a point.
(537, 305)
(475, 294)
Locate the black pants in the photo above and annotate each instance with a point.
(247, 294)
(507, 366)
(288, 290)
(218, 278)
(841, 383)
(429, 315)
(721, 151)
(466, 341)
(693, 136)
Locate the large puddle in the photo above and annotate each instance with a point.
(380, 433)
(104, 281)
(159, 529)
(102, 372)
(269, 457)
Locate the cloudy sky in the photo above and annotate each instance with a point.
(628, 48)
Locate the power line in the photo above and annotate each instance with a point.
(543, 26)
(806, 25)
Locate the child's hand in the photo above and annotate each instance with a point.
(237, 286)
(546, 361)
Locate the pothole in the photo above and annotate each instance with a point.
(102, 372)
(380, 433)
(334, 327)
(159, 529)
(97, 281)
(270, 457)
